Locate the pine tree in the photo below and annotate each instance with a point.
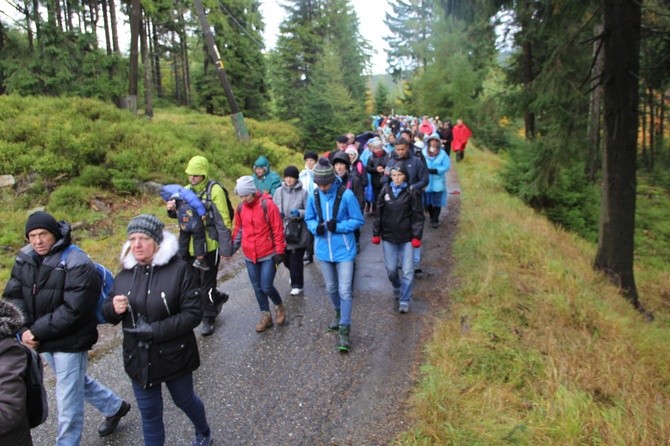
(411, 25)
(381, 106)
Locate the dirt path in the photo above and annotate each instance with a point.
(289, 385)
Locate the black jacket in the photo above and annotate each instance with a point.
(57, 301)
(399, 219)
(166, 295)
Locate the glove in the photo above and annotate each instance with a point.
(278, 259)
(281, 214)
(376, 240)
(416, 243)
(143, 331)
(295, 213)
(332, 225)
(432, 171)
(320, 230)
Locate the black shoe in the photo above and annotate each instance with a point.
(109, 425)
(307, 260)
(221, 299)
(434, 224)
(207, 328)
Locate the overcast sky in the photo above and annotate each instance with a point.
(371, 14)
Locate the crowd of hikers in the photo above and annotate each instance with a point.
(392, 177)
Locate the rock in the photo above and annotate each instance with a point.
(151, 187)
(7, 180)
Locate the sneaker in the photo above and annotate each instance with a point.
(202, 440)
(403, 307)
(296, 291)
(207, 328)
(418, 271)
(109, 425)
(200, 265)
(343, 339)
(307, 260)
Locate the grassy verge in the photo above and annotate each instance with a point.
(537, 348)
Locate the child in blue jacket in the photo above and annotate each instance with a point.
(190, 215)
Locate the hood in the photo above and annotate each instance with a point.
(10, 319)
(167, 249)
(198, 165)
(262, 162)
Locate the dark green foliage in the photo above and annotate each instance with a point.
(69, 197)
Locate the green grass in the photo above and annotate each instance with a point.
(552, 354)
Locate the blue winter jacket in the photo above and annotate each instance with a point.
(170, 191)
(339, 246)
(441, 162)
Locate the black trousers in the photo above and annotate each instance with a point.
(293, 261)
(206, 281)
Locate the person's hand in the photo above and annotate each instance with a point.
(120, 303)
(171, 206)
(416, 243)
(278, 259)
(376, 240)
(295, 213)
(380, 169)
(320, 230)
(143, 331)
(432, 171)
(29, 340)
(332, 225)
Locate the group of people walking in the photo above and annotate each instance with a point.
(166, 283)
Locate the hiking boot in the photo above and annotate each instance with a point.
(343, 341)
(335, 325)
(280, 314)
(265, 322)
(109, 425)
(202, 440)
(207, 327)
(403, 307)
(200, 265)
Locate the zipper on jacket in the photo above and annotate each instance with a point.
(165, 303)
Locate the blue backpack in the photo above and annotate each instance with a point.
(106, 281)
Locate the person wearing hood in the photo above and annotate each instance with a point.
(333, 221)
(259, 231)
(266, 180)
(437, 163)
(399, 226)
(57, 298)
(157, 302)
(14, 425)
(291, 199)
(217, 238)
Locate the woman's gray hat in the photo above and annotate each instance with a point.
(147, 224)
(245, 186)
(324, 172)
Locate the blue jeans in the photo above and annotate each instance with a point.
(262, 277)
(150, 403)
(339, 277)
(417, 257)
(73, 387)
(400, 254)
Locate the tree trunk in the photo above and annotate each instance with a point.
(112, 25)
(135, 23)
(621, 100)
(68, 16)
(593, 151)
(652, 126)
(526, 47)
(148, 98)
(184, 59)
(661, 122)
(29, 29)
(156, 60)
(105, 20)
(38, 28)
(643, 120)
(59, 16)
(175, 68)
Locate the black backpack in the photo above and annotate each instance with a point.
(37, 408)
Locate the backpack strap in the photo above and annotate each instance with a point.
(336, 205)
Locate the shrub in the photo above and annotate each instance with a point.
(69, 197)
(95, 176)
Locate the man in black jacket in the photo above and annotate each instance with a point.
(57, 296)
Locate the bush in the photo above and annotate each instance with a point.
(69, 197)
(95, 176)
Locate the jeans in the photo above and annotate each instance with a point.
(150, 403)
(417, 257)
(262, 276)
(400, 254)
(339, 277)
(73, 386)
(293, 261)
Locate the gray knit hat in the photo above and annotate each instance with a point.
(245, 186)
(323, 172)
(147, 224)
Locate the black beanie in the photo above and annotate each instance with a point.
(43, 220)
(310, 155)
(291, 171)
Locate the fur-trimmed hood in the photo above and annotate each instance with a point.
(10, 319)
(167, 249)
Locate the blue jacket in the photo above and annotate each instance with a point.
(338, 246)
(187, 195)
(441, 162)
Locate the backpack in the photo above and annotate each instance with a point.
(37, 407)
(106, 281)
(214, 225)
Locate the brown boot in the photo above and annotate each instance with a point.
(280, 314)
(265, 322)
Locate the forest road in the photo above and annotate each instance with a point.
(290, 385)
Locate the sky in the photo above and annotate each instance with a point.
(371, 14)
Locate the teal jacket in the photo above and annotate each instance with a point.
(270, 180)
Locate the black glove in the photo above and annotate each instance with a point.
(432, 171)
(332, 225)
(320, 230)
(278, 259)
(143, 331)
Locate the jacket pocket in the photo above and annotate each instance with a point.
(172, 353)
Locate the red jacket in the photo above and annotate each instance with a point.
(259, 233)
(461, 135)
